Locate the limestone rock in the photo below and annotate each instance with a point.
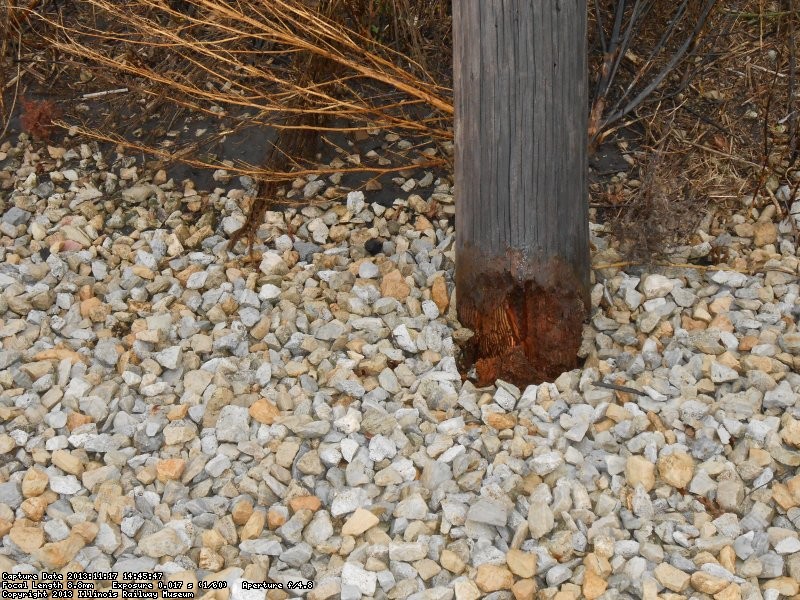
(676, 469)
(492, 578)
(639, 470)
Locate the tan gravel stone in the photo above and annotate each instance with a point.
(37, 231)
(241, 511)
(170, 469)
(146, 474)
(594, 586)
(56, 555)
(439, 294)
(58, 353)
(617, 413)
(640, 470)
(721, 322)
(393, 285)
(757, 363)
(727, 558)
(37, 369)
(359, 522)
(492, 578)
(466, 590)
(275, 518)
(67, 462)
(260, 329)
(524, 589)
(7, 443)
(568, 591)
(782, 496)
(671, 578)
(426, 568)
(164, 542)
(791, 431)
(311, 503)
(285, 453)
(706, 583)
(95, 310)
(143, 272)
(28, 537)
(451, 561)
(210, 560)
(793, 485)
(732, 592)
(786, 586)
(760, 457)
(764, 232)
(110, 501)
(720, 305)
(597, 563)
(690, 324)
(255, 571)
(34, 507)
(212, 539)
(522, 564)
(86, 530)
(254, 526)
(264, 411)
(176, 413)
(325, 591)
(183, 276)
(76, 419)
(649, 589)
(34, 483)
(676, 469)
(500, 421)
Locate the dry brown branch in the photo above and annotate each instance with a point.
(242, 168)
(7, 116)
(239, 60)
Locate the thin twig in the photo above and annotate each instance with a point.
(794, 142)
(630, 263)
(670, 66)
(618, 388)
(16, 85)
(105, 93)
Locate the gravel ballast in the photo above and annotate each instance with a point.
(166, 405)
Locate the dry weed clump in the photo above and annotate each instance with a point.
(249, 61)
(733, 125)
(642, 52)
(38, 116)
(664, 211)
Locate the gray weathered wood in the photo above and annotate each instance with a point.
(522, 249)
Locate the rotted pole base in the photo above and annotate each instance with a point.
(527, 329)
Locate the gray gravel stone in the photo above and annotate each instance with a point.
(10, 494)
(286, 421)
(233, 424)
(16, 216)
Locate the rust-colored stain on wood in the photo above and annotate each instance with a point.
(524, 332)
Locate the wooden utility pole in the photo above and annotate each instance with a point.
(522, 241)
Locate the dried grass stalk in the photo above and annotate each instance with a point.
(246, 60)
